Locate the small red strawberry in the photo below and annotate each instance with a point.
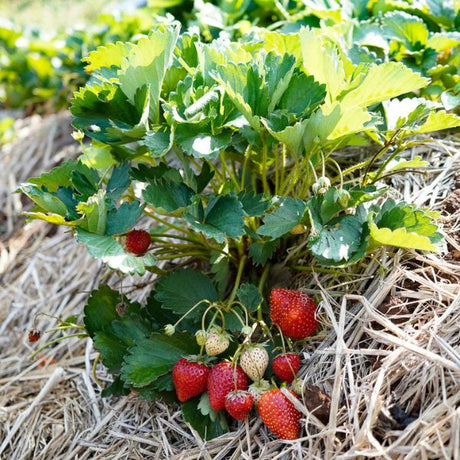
(286, 366)
(217, 342)
(294, 312)
(238, 404)
(137, 241)
(254, 362)
(34, 335)
(190, 378)
(221, 381)
(279, 414)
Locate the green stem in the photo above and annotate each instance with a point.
(95, 363)
(59, 339)
(239, 274)
(190, 311)
(168, 224)
(262, 281)
(264, 166)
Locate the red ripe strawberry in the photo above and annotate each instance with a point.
(137, 241)
(221, 381)
(279, 414)
(190, 378)
(286, 366)
(294, 312)
(34, 335)
(239, 404)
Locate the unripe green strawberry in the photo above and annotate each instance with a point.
(217, 343)
(257, 389)
(201, 336)
(254, 362)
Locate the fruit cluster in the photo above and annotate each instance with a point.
(227, 382)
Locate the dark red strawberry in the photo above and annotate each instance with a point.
(189, 378)
(279, 414)
(221, 381)
(286, 366)
(238, 404)
(34, 335)
(137, 241)
(294, 312)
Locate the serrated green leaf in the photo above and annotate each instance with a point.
(194, 288)
(57, 177)
(334, 121)
(85, 181)
(168, 196)
(291, 136)
(223, 217)
(261, 252)
(410, 30)
(208, 426)
(234, 79)
(382, 82)
(112, 350)
(156, 356)
(322, 60)
(146, 64)
(437, 121)
(397, 215)
(158, 142)
(100, 310)
(249, 296)
(116, 388)
(201, 145)
(338, 242)
(400, 238)
(99, 108)
(113, 254)
(94, 212)
(119, 181)
(302, 95)
(46, 201)
(398, 163)
(109, 55)
(254, 205)
(119, 220)
(283, 219)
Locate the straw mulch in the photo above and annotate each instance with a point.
(388, 366)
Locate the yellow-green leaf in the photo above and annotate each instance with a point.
(400, 238)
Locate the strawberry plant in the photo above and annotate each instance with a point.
(224, 150)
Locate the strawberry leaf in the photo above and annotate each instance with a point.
(119, 181)
(223, 217)
(113, 254)
(151, 358)
(249, 296)
(121, 219)
(283, 219)
(168, 196)
(209, 424)
(194, 287)
(340, 242)
(100, 309)
(261, 252)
